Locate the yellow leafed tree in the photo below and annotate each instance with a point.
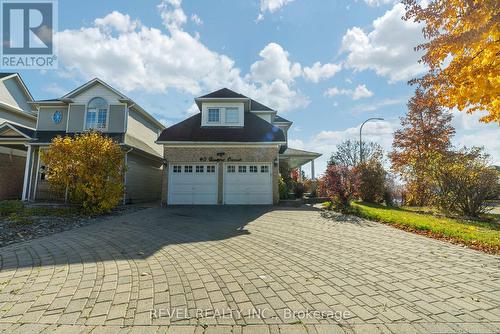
(462, 53)
(89, 168)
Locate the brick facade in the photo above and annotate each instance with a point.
(262, 154)
(11, 176)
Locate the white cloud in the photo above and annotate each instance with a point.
(377, 105)
(296, 143)
(325, 141)
(361, 92)
(55, 89)
(471, 132)
(156, 61)
(334, 91)
(172, 14)
(196, 19)
(376, 3)
(274, 65)
(320, 72)
(358, 93)
(193, 109)
(117, 21)
(271, 6)
(388, 48)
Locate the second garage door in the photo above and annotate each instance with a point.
(247, 184)
(192, 184)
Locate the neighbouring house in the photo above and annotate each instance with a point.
(228, 153)
(17, 126)
(97, 106)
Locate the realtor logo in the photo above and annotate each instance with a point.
(28, 30)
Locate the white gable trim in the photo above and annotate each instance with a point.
(21, 83)
(89, 84)
(16, 130)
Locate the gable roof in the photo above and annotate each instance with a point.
(223, 93)
(123, 98)
(279, 119)
(255, 130)
(3, 75)
(19, 130)
(257, 106)
(8, 75)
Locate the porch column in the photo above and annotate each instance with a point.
(27, 168)
(300, 173)
(312, 170)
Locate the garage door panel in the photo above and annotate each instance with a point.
(188, 185)
(247, 183)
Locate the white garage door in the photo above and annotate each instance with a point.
(192, 184)
(247, 183)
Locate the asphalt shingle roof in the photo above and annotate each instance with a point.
(280, 119)
(258, 106)
(3, 75)
(223, 93)
(256, 130)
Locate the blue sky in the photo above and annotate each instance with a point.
(325, 65)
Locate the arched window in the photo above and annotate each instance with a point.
(97, 114)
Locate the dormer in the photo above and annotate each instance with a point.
(223, 108)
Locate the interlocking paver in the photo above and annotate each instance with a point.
(107, 277)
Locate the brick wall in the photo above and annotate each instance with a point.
(246, 154)
(11, 176)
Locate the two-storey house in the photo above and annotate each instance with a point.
(98, 106)
(228, 153)
(17, 125)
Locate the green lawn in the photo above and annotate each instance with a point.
(483, 235)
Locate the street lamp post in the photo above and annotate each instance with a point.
(360, 139)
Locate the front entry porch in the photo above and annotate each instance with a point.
(296, 159)
(13, 152)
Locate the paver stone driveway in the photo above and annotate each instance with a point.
(245, 269)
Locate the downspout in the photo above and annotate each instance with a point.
(125, 176)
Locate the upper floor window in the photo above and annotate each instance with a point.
(213, 115)
(232, 115)
(97, 114)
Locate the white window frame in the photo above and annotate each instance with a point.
(224, 109)
(218, 117)
(232, 109)
(97, 110)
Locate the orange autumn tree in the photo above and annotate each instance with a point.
(425, 131)
(462, 52)
(88, 168)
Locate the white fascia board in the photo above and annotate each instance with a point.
(12, 108)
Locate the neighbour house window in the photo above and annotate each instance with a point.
(264, 169)
(213, 115)
(200, 169)
(97, 114)
(242, 169)
(210, 169)
(231, 169)
(188, 169)
(177, 169)
(232, 115)
(253, 169)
